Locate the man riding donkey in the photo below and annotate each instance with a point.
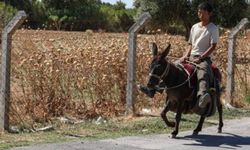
(203, 39)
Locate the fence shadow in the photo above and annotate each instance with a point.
(226, 140)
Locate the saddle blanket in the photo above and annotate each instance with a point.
(190, 70)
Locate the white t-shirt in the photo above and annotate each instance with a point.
(201, 37)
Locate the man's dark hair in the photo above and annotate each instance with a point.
(206, 6)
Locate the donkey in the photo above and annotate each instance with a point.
(181, 98)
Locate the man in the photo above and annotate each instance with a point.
(203, 39)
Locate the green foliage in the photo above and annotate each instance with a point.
(167, 12)
(248, 12)
(230, 12)
(169, 15)
(118, 18)
(6, 13)
(184, 12)
(34, 8)
(75, 15)
(37, 14)
(57, 20)
(21, 4)
(119, 6)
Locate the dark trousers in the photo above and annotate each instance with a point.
(204, 75)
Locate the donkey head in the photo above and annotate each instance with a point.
(159, 67)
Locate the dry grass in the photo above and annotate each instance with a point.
(84, 74)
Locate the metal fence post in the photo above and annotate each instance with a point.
(7, 33)
(231, 64)
(130, 96)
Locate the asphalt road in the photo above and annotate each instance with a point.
(236, 135)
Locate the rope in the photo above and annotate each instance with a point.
(177, 86)
(188, 79)
(197, 65)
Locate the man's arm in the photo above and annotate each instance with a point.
(188, 51)
(208, 51)
(187, 54)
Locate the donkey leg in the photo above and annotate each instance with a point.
(220, 110)
(177, 118)
(164, 113)
(199, 126)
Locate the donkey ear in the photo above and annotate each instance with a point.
(154, 49)
(166, 51)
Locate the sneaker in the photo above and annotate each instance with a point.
(148, 91)
(204, 100)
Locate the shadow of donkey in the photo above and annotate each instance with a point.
(228, 140)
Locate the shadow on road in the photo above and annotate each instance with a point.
(226, 140)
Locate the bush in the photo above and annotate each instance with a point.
(6, 13)
(117, 19)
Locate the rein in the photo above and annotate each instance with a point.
(166, 71)
(195, 64)
(179, 85)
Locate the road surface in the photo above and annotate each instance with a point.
(236, 135)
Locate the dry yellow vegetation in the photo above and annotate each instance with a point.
(84, 74)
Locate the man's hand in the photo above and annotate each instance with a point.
(183, 59)
(197, 60)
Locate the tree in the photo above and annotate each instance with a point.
(167, 12)
(34, 8)
(117, 17)
(119, 6)
(248, 12)
(75, 14)
(6, 14)
(184, 12)
(57, 21)
(230, 12)
(83, 14)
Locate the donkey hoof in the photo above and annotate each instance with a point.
(171, 124)
(174, 133)
(195, 132)
(219, 131)
(173, 136)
